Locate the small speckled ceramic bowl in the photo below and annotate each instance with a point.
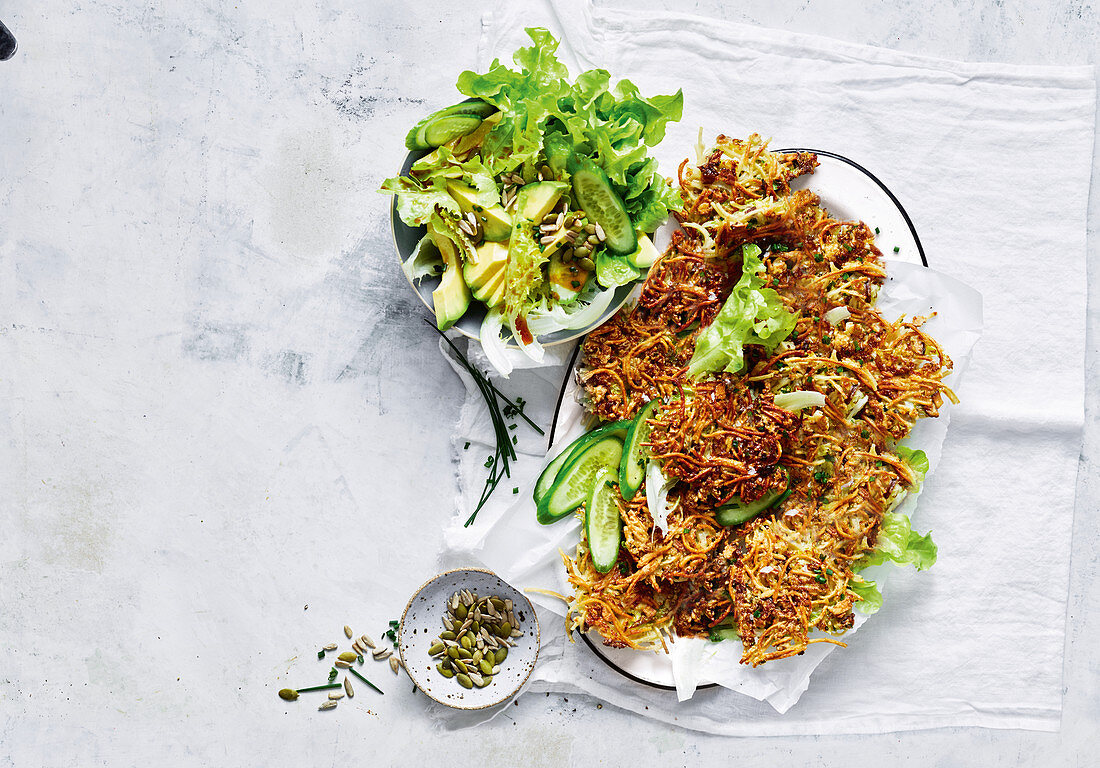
(423, 621)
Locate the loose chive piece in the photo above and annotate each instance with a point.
(896, 249)
(321, 654)
(326, 687)
(365, 680)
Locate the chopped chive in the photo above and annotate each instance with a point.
(515, 490)
(326, 687)
(365, 680)
(896, 249)
(359, 657)
(321, 654)
(876, 230)
(467, 446)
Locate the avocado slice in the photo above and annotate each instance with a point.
(492, 291)
(536, 200)
(491, 259)
(646, 254)
(566, 280)
(451, 298)
(496, 223)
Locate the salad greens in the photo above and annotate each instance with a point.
(751, 315)
(522, 127)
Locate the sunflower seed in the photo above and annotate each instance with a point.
(546, 228)
(347, 631)
(546, 239)
(600, 233)
(347, 688)
(365, 640)
(467, 228)
(331, 647)
(394, 664)
(359, 650)
(508, 602)
(327, 705)
(560, 220)
(448, 623)
(384, 653)
(336, 695)
(515, 633)
(341, 664)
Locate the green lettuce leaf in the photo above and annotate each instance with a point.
(897, 543)
(417, 202)
(869, 594)
(613, 271)
(917, 461)
(751, 315)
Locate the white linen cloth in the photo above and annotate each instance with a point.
(992, 163)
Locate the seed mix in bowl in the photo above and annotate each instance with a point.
(477, 633)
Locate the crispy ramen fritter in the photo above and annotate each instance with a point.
(787, 572)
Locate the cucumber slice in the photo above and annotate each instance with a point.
(617, 428)
(738, 512)
(632, 467)
(603, 205)
(448, 123)
(602, 522)
(575, 479)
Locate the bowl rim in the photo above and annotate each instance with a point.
(511, 692)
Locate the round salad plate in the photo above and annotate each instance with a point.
(405, 239)
(848, 191)
(422, 623)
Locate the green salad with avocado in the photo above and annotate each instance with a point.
(536, 195)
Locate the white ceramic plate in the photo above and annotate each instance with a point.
(848, 192)
(422, 622)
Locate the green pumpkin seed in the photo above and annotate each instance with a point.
(461, 611)
(477, 657)
(453, 652)
(504, 630)
(348, 656)
(501, 654)
(466, 642)
(460, 666)
(464, 653)
(436, 648)
(288, 694)
(464, 681)
(485, 667)
(447, 635)
(445, 671)
(484, 681)
(475, 627)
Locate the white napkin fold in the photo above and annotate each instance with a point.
(970, 151)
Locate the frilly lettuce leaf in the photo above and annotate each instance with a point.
(751, 315)
(611, 126)
(424, 261)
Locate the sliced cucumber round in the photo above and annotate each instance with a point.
(632, 467)
(602, 522)
(574, 481)
(739, 512)
(448, 123)
(617, 428)
(603, 205)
